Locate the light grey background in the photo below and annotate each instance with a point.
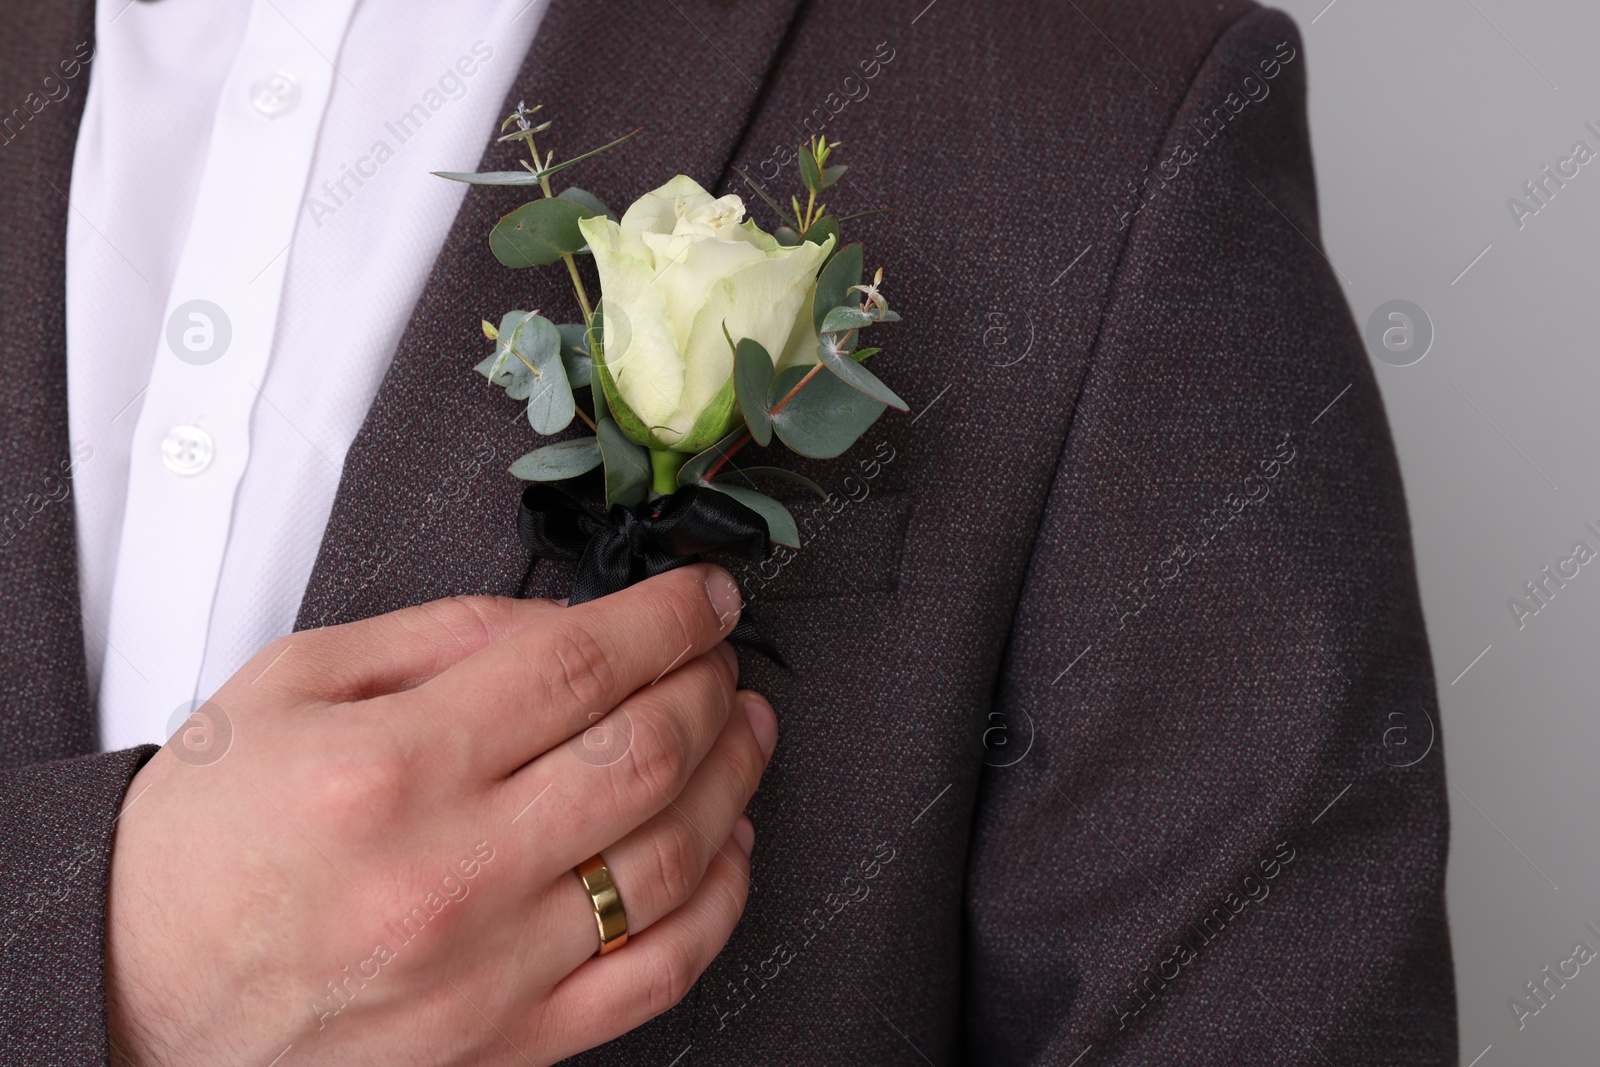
(1427, 116)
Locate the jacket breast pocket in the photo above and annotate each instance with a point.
(850, 545)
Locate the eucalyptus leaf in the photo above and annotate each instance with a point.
(565, 163)
(535, 343)
(857, 376)
(575, 352)
(823, 419)
(819, 232)
(845, 318)
(746, 473)
(550, 405)
(808, 171)
(784, 381)
(515, 378)
(833, 284)
(752, 374)
(832, 174)
(869, 214)
(502, 367)
(588, 200)
(491, 177)
(558, 462)
(781, 527)
(538, 232)
(627, 465)
(786, 236)
(494, 367)
(694, 469)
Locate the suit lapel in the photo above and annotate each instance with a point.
(44, 706)
(425, 507)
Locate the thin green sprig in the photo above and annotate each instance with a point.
(816, 176)
(526, 131)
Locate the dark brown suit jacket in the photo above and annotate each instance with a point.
(1089, 756)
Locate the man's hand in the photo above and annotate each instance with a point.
(379, 870)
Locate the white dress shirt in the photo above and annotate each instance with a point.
(252, 219)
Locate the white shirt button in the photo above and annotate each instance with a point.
(187, 450)
(276, 94)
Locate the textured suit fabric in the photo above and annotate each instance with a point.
(1088, 751)
(57, 798)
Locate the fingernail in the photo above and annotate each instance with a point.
(762, 720)
(731, 658)
(744, 832)
(725, 598)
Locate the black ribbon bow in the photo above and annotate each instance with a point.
(626, 545)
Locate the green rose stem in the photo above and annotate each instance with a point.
(664, 467)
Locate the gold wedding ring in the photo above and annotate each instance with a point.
(609, 917)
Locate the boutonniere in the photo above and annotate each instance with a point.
(707, 333)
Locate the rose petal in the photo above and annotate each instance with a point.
(761, 302)
(648, 369)
(687, 268)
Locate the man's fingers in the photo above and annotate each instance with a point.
(568, 669)
(611, 994)
(660, 865)
(392, 652)
(598, 794)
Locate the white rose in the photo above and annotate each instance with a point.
(680, 268)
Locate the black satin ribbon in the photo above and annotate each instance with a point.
(626, 545)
